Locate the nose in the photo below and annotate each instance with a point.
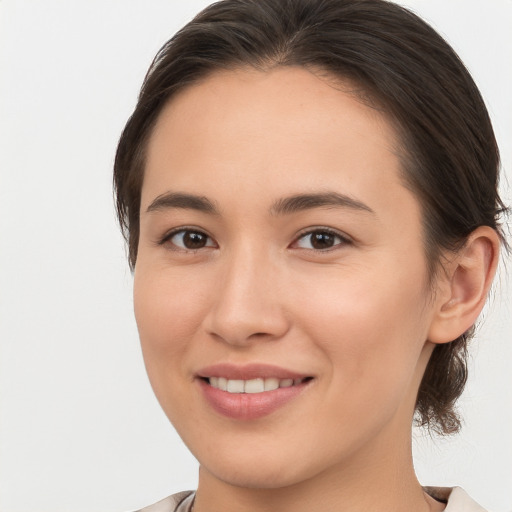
(247, 305)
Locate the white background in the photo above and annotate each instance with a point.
(79, 427)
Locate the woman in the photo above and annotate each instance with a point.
(309, 193)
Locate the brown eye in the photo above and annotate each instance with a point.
(320, 240)
(191, 240)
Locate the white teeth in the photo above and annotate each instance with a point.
(235, 386)
(223, 383)
(253, 385)
(271, 384)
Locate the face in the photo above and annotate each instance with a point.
(281, 291)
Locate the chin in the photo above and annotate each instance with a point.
(255, 475)
(258, 468)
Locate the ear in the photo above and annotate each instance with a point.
(463, 288)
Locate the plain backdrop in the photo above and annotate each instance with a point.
(80, 429)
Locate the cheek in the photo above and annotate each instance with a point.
(168, 311)
(371, 326)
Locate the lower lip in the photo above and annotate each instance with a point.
(249, 406)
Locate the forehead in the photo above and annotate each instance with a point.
(286, 93)
(247, 135)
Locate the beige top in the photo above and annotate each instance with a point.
(456, 500)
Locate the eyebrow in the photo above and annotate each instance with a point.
(300, 202)
(283, 206)
(182, 200)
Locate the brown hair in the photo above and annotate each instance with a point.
(449, 152)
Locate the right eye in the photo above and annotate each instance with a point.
(189, 240)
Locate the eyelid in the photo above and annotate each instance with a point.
(345, 239)
(180, 229)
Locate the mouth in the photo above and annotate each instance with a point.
(252, 391)
(257, 385)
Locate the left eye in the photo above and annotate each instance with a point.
(319, 240)
(190, 240)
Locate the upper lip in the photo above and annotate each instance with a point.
(249, 371)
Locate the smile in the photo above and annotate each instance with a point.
(258, 385)
(250, 392)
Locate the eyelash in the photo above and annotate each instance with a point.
(191, 230)
(342, 239)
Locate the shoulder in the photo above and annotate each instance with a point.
(456, 499)
(179, 502)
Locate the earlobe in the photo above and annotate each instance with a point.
(467, 282)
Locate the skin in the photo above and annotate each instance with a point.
(358, 316)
